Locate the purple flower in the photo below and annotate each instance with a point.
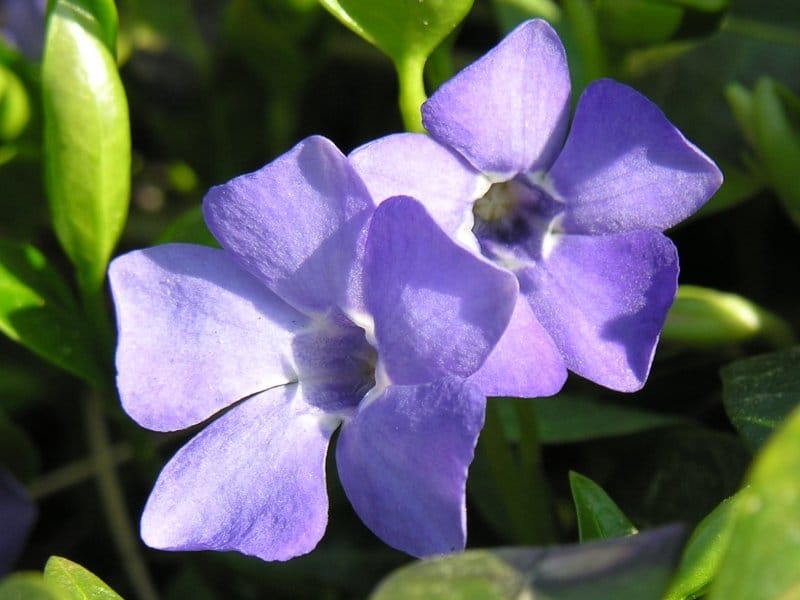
(22, 25)
(577, 221)
(320, 310)
(17, 516)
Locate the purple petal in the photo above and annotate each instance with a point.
(17, 516)
(196, 333)
(507, 112)
(297, 224)
(438, 309)
(525, 363)
(604, 300)
(416, 165)
(252, 481)
(403, 464)
(625, 166)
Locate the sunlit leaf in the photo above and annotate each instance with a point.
(598, 515)
(637, 566)
(38, 311)
(77, 582)
(87, 137)
(758, 393)
(764, 552)
(30, 586)
(703, 554)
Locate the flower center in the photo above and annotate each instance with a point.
(514, 221)
(337, 356)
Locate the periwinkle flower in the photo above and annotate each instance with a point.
(22, 25)
(17, 516)
(319, 311)
(577, 220)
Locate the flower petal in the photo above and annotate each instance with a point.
(416, 165)
(196, 333)
(507, 112)
(403, 463)
(604, 300)
(437, 309)
(17, 516)
(297, 224)
(252, 481)
(624, 166)
(525, 363)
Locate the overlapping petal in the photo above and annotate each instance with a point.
(525, 363)
(403, 463)
(252, 481)
(438, 309)
(603, 299)
(416, 165)
(507, 112)
(624, 166)
(297, 224)
(196, 333)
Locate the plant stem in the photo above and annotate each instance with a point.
(113, 500)
(412, 91)
(518, 472)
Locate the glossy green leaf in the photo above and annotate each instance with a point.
(701, 5)
(566, 419)
(778, 144)
(29, 586)
(599, 517)
(77, 582)
(87, 138)
(762, 559)
(407, 31)
(759, 392)
(703, 554)
(740, 101)
(637, 566)
(38, 311)
(401, 28)
(15, 110)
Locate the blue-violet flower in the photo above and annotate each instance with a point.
(319, 310)
(22, 24)
(17, 516)
(578, 221)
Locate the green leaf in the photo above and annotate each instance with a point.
(701, 318)
(598, 515)
(29, 586)
(703, 553)
(15, 110)
(401, 28)
(764, 553)
(77, 582)
(637, 22)
(759, 392)
(87, 137)
(407, 31)
(778, 144)
(637, 566)
(38, 311)
(189, 227)
(566, 419)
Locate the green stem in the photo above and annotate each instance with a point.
(114, 502)
(98, 320)
(410, 76)
(518, 473)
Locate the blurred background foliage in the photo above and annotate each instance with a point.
(219, 87)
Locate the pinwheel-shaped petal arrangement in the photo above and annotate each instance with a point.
(577, 217)
(319, 311)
